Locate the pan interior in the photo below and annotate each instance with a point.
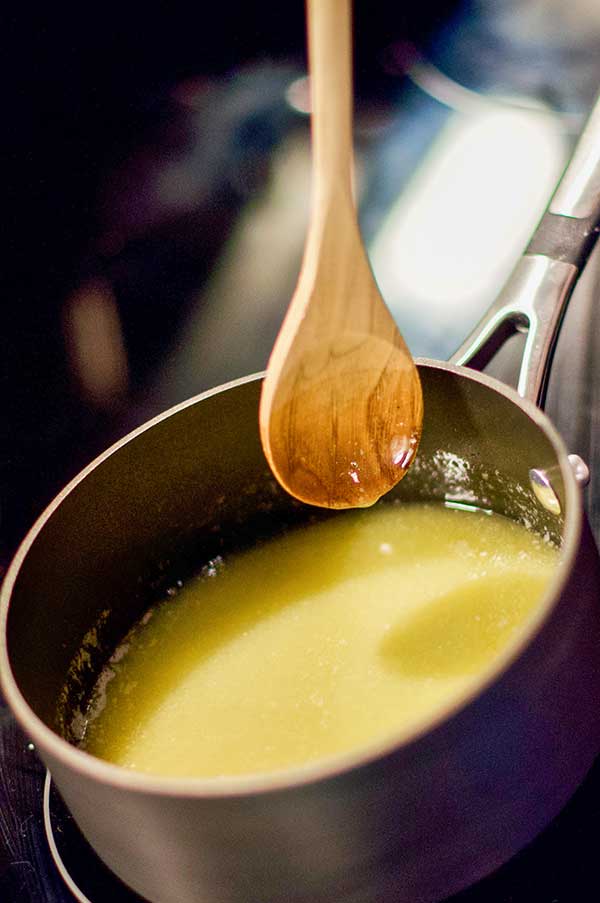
(195, 486)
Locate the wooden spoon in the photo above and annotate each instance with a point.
(341, 405)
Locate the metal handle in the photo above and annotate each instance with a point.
(535, 297)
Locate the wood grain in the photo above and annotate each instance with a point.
(341, 407)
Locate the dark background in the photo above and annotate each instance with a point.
(91, 90)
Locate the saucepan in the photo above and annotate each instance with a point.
(410, 821)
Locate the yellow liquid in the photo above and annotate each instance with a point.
(320, 642)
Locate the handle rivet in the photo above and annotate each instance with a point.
(581, 471)
(543, 491)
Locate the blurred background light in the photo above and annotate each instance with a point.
(449, 241)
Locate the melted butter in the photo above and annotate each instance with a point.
(319, 642)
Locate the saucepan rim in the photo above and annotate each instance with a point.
(331, 767)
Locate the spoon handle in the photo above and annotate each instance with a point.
(330, 56)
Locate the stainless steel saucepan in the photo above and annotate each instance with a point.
(410, 821)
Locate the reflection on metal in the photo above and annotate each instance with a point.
(62, 869)
(581, 471)
(457, 97)
(541, 482)
(543, 491)
(577, 194)
(541, 284)
(535, 299)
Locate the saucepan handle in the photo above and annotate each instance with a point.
(535, 297)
